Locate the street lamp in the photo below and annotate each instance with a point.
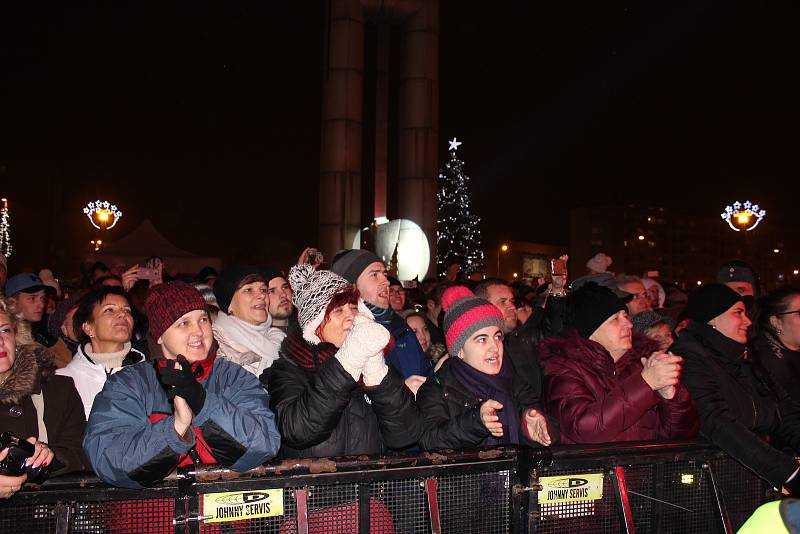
(503, 248)
(102, 214)
(743, 215)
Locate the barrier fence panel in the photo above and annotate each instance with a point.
(642, 488)
(632, 487)
(458, 492)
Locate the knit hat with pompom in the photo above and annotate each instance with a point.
(464, 315)
(312, 292)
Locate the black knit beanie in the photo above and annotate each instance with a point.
(229, 280)
(349, 264)
(590, 306)
(272, 272)
(709, 301)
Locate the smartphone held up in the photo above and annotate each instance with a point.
(145, 273)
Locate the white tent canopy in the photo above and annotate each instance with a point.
(146, 241)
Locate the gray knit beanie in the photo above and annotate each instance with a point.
(349, 264)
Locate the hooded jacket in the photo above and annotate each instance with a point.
(89, 377)
(597, 400)
(736, 405)
(324, 412)
(63, 414)
(131, 440)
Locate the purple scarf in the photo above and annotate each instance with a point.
(498, 387)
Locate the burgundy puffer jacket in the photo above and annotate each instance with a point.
(598, 401)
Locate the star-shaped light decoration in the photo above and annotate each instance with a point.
(743, 219)
(102, 214)
(454, 144)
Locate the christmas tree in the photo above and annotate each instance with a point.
(457, 232)
(5, 229)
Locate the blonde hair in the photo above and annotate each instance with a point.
(22, 328)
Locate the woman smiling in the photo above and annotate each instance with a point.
(736, 405)
(243, 326)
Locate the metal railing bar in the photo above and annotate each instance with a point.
(623, 501)
(658, 500)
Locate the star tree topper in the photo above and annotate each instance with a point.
(455, 143)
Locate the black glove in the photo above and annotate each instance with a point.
(182, 383)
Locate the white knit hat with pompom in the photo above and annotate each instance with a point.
(312, 291)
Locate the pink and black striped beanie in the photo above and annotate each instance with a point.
(464, 315)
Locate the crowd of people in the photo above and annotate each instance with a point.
(137, 372)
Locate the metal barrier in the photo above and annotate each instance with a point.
(632, 487)
(454, 491)
(643, 487)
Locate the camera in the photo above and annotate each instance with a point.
(14, 463)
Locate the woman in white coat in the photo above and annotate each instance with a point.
(104, 326)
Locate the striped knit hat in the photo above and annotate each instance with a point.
(464, 315)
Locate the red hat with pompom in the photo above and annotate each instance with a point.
(464, 315)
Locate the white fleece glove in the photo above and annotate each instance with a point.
(375, 369)
(366, 339)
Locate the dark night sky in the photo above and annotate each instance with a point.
(557, 105)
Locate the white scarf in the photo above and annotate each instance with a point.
(109, 360)
(253, 347)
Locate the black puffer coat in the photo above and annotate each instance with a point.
(781, 364)
(451, 413)
(735, 405)
(324, 412)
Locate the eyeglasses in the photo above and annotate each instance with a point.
(788, 313)
(397, 292)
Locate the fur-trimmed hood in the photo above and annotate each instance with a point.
(572, 347)
(33, 366)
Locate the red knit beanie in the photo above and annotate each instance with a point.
(464, 315)
(166, 303)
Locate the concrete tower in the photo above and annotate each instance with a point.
(398, 124)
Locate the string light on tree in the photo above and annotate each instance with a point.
(102, 214)
(458, 235)
(743, 216)
(5, 229)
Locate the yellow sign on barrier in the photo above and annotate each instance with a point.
(571, 488)
(239, 505)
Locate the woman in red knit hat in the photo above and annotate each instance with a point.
(476, 399)
(151, 418)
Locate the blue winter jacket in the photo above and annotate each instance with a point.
(407, 355)
(126, 449)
